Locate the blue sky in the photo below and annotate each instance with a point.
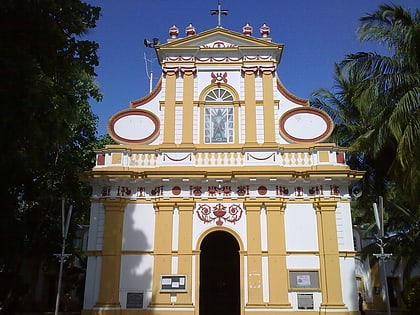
(316, 34)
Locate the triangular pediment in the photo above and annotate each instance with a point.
(219, 42)
(218, 38)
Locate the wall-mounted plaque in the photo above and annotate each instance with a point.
(134, 299)
(305, 301)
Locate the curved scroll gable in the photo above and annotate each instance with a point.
(297, 100)
(149, 97)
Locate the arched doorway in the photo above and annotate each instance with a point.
(219, 275)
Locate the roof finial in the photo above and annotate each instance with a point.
(219, 13)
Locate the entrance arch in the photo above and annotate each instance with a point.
(219, 275)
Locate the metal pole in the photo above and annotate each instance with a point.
(382, 256)
(65, 223)
(388, 305)
(60, 275)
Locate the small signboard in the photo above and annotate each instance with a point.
(173, 283)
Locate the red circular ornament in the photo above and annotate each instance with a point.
(176, 190)
(262, 190)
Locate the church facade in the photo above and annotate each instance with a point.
(221, 196)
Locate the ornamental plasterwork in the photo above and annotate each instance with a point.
(220, 191)
(219, 213)
(217, 59)
(218, 44)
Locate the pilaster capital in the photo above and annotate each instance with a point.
(278, 205)
(114, 204)
(164, 205)
(185, 205)
(249, 70)
(326, 204)
(253, 205)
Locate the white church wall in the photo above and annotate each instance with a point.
(136, 277)
(344, 227)
(302, 262)
(204, 77)
(258, 88)
(93, 273)
(259, 123)
(139, 223)
(242, 125)
(348, 282)
(300, 227)
(136, 272)
(96, 227)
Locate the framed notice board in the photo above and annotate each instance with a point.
(304, 280)
(173, 283)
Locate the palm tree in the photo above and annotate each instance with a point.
(395, 81)
(376, 108)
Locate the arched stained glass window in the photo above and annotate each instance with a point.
(219, 117)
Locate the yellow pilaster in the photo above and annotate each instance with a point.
(187, 111)
(169, 132)
(277, 267)
(185, 249)
(111, 253)
(268, 95)
(254, 272)
(328, 253)
(162, 250)
(250, 112)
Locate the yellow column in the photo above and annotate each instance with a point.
(169, 132)
(328, 253)
(162, 250)
(111, 254)
(277, 268)
(185, 249)
(255, 281)
(187, 111)
(250, 112)
(268, 96)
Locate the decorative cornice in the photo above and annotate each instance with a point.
(260, 69)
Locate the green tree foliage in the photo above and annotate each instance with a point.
(46, 81)
(376, 107)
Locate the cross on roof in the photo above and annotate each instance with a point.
(219, 13)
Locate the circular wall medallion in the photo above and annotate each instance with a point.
(176, 190)
(134, 126)
(305, 125)
(262, 190)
